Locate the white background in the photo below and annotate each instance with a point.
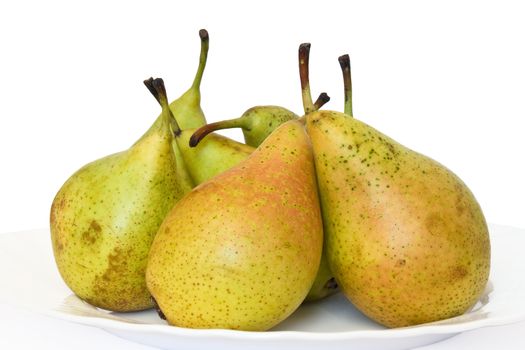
(446, 78)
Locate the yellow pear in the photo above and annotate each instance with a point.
(241, 250)
(405, 238)
(105, 216)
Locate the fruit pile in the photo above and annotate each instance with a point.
(220, 234)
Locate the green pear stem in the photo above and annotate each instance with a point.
(205, 45)
(304, 58)
(321, 101)
(158, 90)
(344, 62)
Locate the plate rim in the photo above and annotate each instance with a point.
(228, 334)
(402, 332)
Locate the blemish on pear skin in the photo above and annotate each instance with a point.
(92, 234)
(433, 222)
(117, 269)
(460, 197)
(458, 272)
(56, 206)
(116, 263)
(401, 263)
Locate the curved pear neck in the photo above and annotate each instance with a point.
(187, 109)
(161, 127)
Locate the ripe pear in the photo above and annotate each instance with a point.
(105, 216)
(405, 237)
(241, 250)
(324, 284)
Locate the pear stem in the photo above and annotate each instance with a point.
(304, 57)
(344, 62)
(158, 90)
(205, 45)
(321, 101)
(201, 132)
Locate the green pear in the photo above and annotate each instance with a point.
(105, 216)
(257, 123)
(405, 238)
(229, 255)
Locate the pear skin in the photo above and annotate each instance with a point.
(324, 284)
(261, 121)
(105, 216)
(228, 255)
(405, 238)
(212, 156)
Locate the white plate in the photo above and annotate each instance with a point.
(26, 262)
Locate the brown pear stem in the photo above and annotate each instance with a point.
(149, 85)
(204, 130)
(158, 90)
(304, 74)
(321, 101)
(201, 133)
(344, 62)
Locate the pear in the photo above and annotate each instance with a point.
(105, 216)
(229, 255)
(404, 236)
(257, 123)
(324, 284)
